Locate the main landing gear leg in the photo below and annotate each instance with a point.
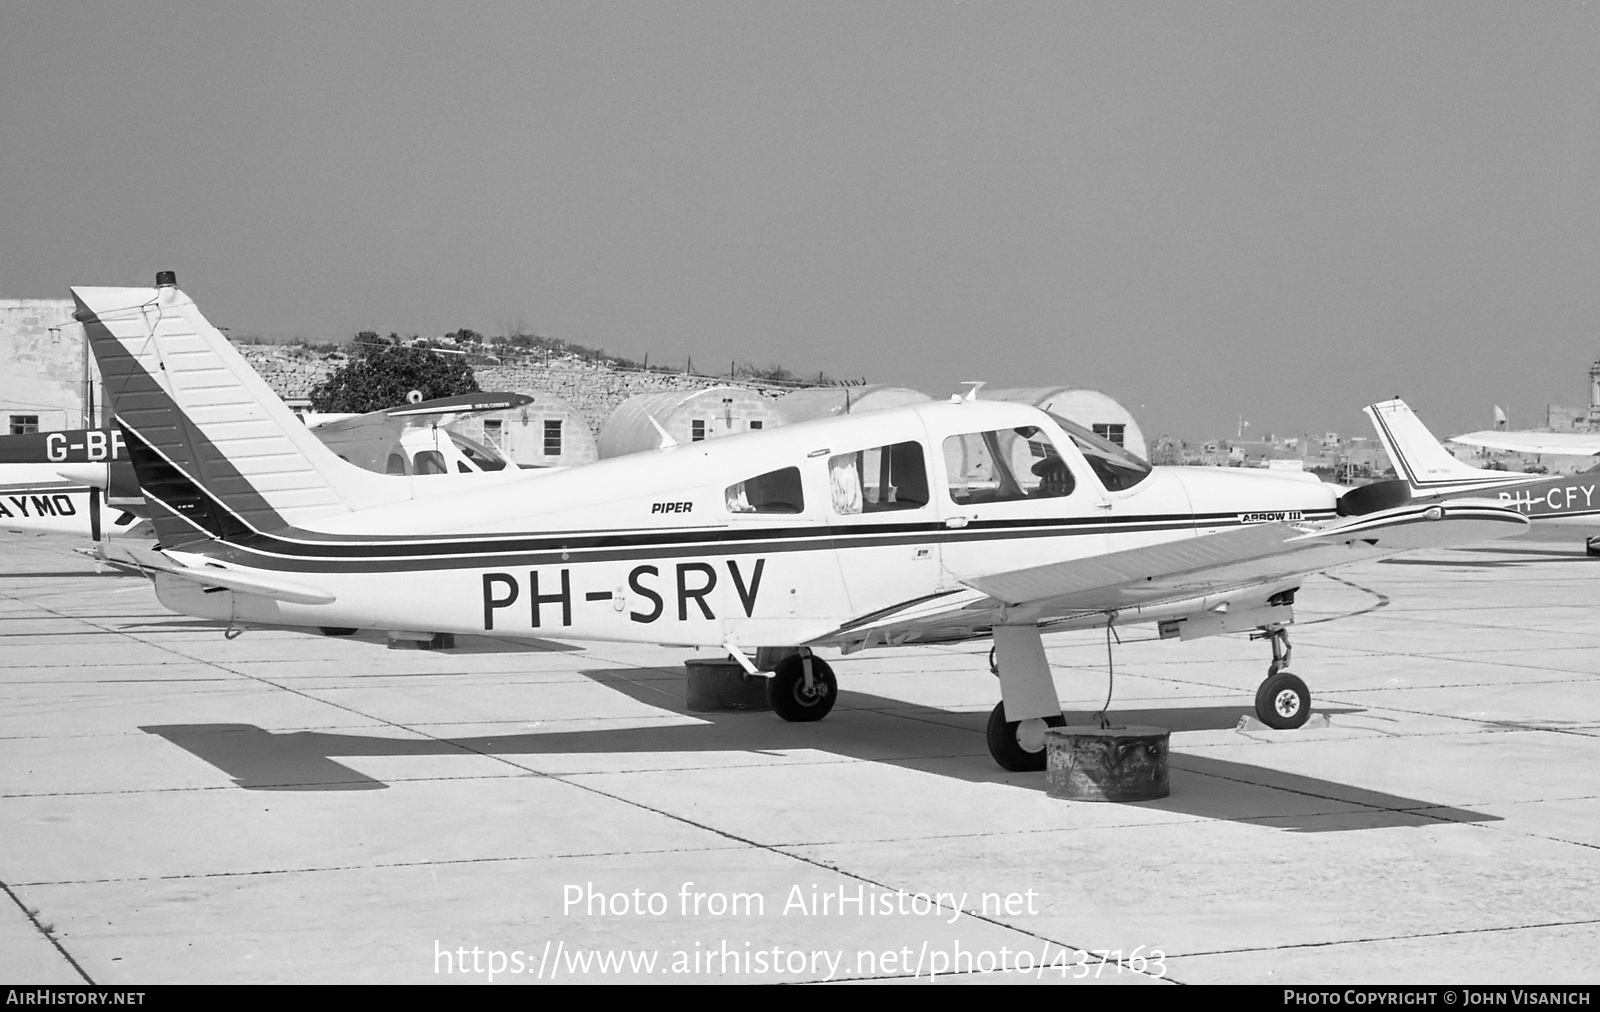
(1028, 703)
(1282, 701)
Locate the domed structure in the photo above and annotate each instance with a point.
(1089, 408)
(547, 433)
(687, 415)
(827, 402)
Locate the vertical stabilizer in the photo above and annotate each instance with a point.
(218, 454)
(1421, 459)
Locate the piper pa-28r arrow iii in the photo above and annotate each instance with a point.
(929, 523)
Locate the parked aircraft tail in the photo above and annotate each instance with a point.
(1422, 460)
(217, 453)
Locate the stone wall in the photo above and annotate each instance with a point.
(289, 369)
(592, 388)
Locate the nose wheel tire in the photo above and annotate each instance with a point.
(792, 699)
(1018, 745)
(1283, 701)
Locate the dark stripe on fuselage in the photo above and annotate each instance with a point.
(178, 499)
(298, 550)
(399, 554)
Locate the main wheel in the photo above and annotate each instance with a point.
(1018, 745)
(787, 692)
(1283, 701)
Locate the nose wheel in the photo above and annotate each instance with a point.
(1282, 701)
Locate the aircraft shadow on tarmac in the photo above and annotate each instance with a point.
(1536, 558)
(72, 574)
(862, 726)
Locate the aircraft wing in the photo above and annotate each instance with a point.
(1262, 557)
(1576, 444)
(365, 440)
(440, 410)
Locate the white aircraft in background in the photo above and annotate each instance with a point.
(59, 482)
(80, 483)
(415, 438)
(928, 523)
(1571, 444)
(1431, 472)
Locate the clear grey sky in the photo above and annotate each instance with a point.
(1276, 210)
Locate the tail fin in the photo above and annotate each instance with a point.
(1421, 460)
(218, 454)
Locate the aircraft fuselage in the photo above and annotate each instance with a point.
(783, 537)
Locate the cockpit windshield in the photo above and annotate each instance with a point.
(481, 456)
(1117, 469)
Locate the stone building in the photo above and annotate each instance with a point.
(46, 381)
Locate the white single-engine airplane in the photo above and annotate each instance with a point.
(932, 522)
(1433, 474)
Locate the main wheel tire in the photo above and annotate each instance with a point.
(332, 630)
(1007, 750)
(786, 689)
(1283, 702)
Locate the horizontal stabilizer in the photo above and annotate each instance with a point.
(149, 563)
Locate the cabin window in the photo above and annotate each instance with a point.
(552, 437)
(1005, 465)
(396, 465)
(21, 425)
(878, 480)
(429, 462)
(697, 430)
(774, 492)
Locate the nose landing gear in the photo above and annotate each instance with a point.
(1282, 701)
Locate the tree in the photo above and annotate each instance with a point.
(382, 373)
